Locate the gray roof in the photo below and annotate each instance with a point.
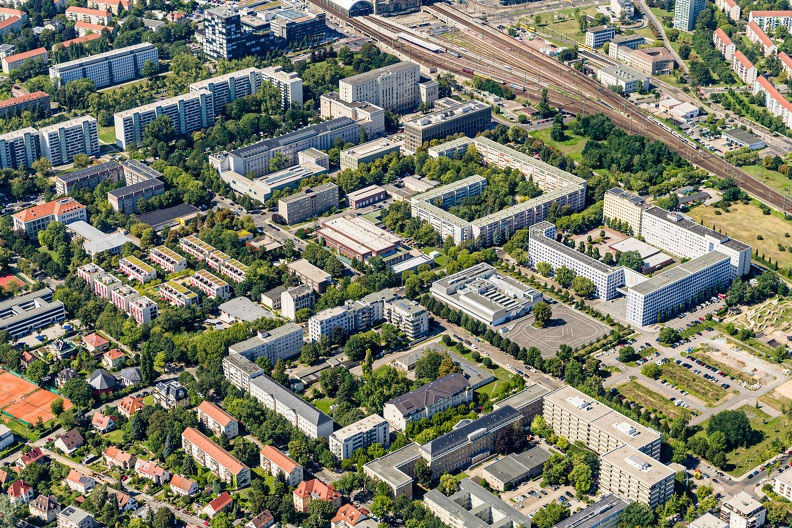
(489, 422)
(623, 39)
(136, 187)
(101, 57)
(430, 394)
(88, 171)
(274, 293)
(101, 380)
(513, 467)
(288, 399)
(131, 374)
(684, 270)
(263, 337)
(572, 253)
(142, 169)
(292, 137)
(387, 468)
(524, 397)
(742, 136)
(683, 222)
(75, 515)
(161, 217)
(244, 309)
(604, 509)
(301, 194)
(379, 72)
(242, 363)
(456, 506)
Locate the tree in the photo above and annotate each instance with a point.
(668, 335)
(508, 439)
(631, 260)
(422, 473)
(221, 520)
(542, 314)
(564, 276)
(583, 286)
(448, 484)
(735, 425)
(42, 166)
(651, 370)
(544, 269)
(159, 130)
(81, 161)
(278, 162)
(684, 51)
(57, 406)
(626, 354)
(355, 347)
(637, 515)
(79, 392)
(164, 518)
(150, 70)
(147, 372)
(550, 515)
(540, 427)
(37, 370)
(777, 513)
(8, 518)
(319, 513)
(381, 506)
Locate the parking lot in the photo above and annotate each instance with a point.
(567, 327)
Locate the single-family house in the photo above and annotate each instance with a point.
(44, 508)
(69, 442)
(129, 405)
(95, 344)
(115, 457)
(102, 423)
(223, 502)
(183, 486)
(20, 492)
(113, 359)
(79, 482)
(151, 471)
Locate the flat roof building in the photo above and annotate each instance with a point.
(625, 207)
(392, 87)
(283, 342)
(21, 315)
(396, 469)
(742, 138)
(596, 37)
(605, 513)
(474, 507)
(529, 401)
(511, 471)
(743, 511)
(366, 196)
(167, 259)
(308, 203)
(96, 242)
(242, 309)
(624, 77)
(107, 69)
(367, 152)
(373, 429)
(356, 237)
(450, 117)
(636, 477)
(62, 141)
(316, 278)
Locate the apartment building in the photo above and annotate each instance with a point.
(114, 6)
(577, 417)
(368, 116)
(89, 273)
(636, 477)
(624, 206)
(299, 28)
(211, 285)
(7, 13)
(596, 37)
(651, 61)
(234, 270)
(105, 285)
(786, 62)
(196, 247)
(680, 236)
(296, 299)
(393, 87)
(298, 412)
(187, 112)
(219, 461)
(367, 152)
(408, 316)
(143, 310)
(623, 6)
(36, 102)
(273, 461)
(256, 158)
(449, 117)
(92, 16)
(770, 20)
(743, 511)
(281, 343)
(757, 35)
(744, 68)
(86, 28)
(730, 7)
(426, 401)
(469, 443)
(774, 101)
(372, 429)
(21, 315)
(474, 507)
(106, 69)
(356, 316)
(724, 44)
(289, 84)
(542, 247)
(309, 274)
(308, 202)
(668, 292)
(310, 490)
(88, 177)
(230, 87)
(216, 420)
(10, 25)
(686, 12)
(79, 40)
(61, 142)
(38, 217)
(12, 62)
(216, 258)
(177, 295)
(136, 269)
(74, 517)
(167, 259)
(19, 148)
(170, 394)
(239, 370)
(123, 296)
(782, 485)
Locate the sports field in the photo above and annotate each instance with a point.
(25, 401)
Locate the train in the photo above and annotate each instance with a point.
(421, 43)
(453, 54)
(674, 133)
(517, 87)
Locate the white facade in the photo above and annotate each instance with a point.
(686, 12)
(636, 477)
(770, 20)
(136, 269)
(393, 87)
(143, 310)
(61, 142)
(209, 284)
(744, 68)
(289, 83)
(106, 69)
(168, 259)
(328, 320)
(628, 79)
(369, 116)
(281, 343)
(296, 299)
(373, 429)
(743, 511)
(298, 412)
(596, 37)
(626, 6)
(724, 44)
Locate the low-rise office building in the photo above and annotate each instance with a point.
(449, 117)
(308, 203)
(219, 461)
(356, 237)
(309, 274)
(512, 470)
(426, 401)
(23, 314)
(620, 44)
(369, 117)
(367, 196)
(367, 152)
(596, 37)
(626, 78)
(474, 507)
(396, 470)
(261, 188)
(372, 429)
(529, 401)
(95, 242)
(636, 477)
(167, 259)
(651, 61)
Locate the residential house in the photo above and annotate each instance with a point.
(183, 486)
(95, 344)
(130, 405)
(34, 456)
(309, 490)
(63, 376)
(74, 517)
(262, 520)
(273, 461)
(102, 423)
(126, 502)
(69, 442)
(45, 508)
(5, 478)
(130, 376)
(79, 482)
(62, 349)
(223, 502)
(20, 492)
(102, 381)
(26, 359)
(170, 394)
(348, 516)
(151, 471)
(115, 457)
(113, 359)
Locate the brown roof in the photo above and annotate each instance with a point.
(44, 503)
(274, 455)
(262, 519)
(22, 56)
(216, 413)
(56, 207)
(317, 488)
(77, 477)
(114, 354)
(93, 27)
(122, 499)
(22, 99)
(223, 457)
(72, 438)
(722, 36)
(34, 455)
(348, 513)
(182, 483)
(5, 478)
(131, 404)
(10, 21)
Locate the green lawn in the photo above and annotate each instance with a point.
(774, 179)
(107, 135)
(116, 437)
(442, 260)
(374, 216)
(742, 459)
(148, 400)
(573, 146)
(650, 399)
(324, 404)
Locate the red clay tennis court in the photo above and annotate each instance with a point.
(7, 280)
(25, 401)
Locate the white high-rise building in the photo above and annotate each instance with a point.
(289, 83)
(19, 148)
(392, 87)
(61, 142)
(281, 343)
(686, 12)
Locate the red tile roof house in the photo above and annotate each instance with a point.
(151, 471)
(113, 359)
(69, 442)
(27, 358)
(115, 457)
(130, 405)
(34, 456)
(217, 420)
(79, 482)
(348, 516)
(5, 478)
(183, 486)
(94, 343)
(20, 492)
(102, 423)
(262, 520)
(223, 502)
(273, 461)
(308, 490)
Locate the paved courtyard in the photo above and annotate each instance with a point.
(567, 327)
